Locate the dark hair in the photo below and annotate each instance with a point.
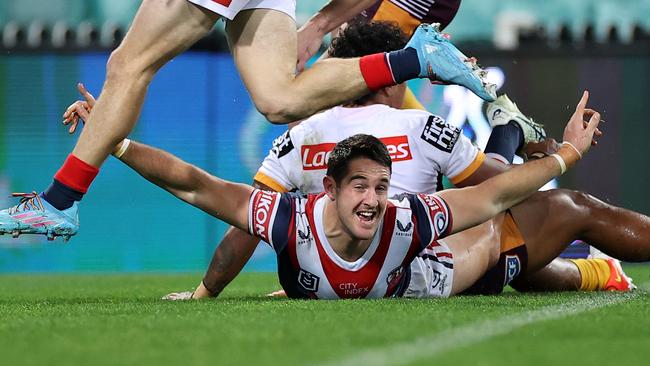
(362, 39)
(359, 145)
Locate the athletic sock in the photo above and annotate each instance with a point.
(390, 68)
(504, 142)
(594, 273)
(61, 196)
(70, 183)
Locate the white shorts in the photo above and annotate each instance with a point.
(432, 272)
(230, 8)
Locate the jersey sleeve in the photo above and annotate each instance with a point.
(432, 217)
(270, 217)
(449, 149)
(273, 172)
(464, 161)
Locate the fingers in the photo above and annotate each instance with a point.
(580, 108)
(593, 122)
(598, 132)
(90, 99)
(176, 296)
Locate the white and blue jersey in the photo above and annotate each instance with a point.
(308, 267)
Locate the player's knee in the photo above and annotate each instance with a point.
(124, 69)
(577, 201)
(574, 204)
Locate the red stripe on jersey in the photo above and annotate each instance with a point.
(261, 206)
(225, 3)
(357, 284)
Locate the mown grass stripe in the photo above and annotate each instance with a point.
(432, 345)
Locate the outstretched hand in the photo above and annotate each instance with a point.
(79, 110)
(582, 129)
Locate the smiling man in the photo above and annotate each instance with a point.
(352, 241)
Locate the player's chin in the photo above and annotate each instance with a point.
(364, 229)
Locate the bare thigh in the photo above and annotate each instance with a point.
(264, 46)
(263, 43)
(475, 251)
(161, 30)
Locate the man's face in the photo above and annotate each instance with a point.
(361, 197)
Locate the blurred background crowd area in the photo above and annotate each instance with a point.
(73, 24)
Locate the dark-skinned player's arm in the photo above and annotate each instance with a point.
(233, 252)
(473, 205)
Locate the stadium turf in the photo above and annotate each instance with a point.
(118, 320)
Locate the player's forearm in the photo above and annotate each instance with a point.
(162, 169)
(222, 199)
(513, 186)
(337, 12)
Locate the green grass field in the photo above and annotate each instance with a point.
(118, 320)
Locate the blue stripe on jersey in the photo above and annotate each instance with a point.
(435, 259)
(422, 220)
(283, 222)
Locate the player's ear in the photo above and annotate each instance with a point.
(330, 187)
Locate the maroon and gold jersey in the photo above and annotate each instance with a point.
(408, 14)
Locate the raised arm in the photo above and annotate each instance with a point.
(225, 200)
(473, 205)
(220, 198)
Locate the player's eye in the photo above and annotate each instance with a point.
(360, 187)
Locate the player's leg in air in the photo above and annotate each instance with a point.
(263, 43)
(160, 30)
(513, 134)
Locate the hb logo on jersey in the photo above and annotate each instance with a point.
(439, 134)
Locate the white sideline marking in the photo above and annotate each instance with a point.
(428, 346)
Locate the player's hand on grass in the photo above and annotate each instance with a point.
(278, 293)
(582, 129)
(79, 110)
(178, 296)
